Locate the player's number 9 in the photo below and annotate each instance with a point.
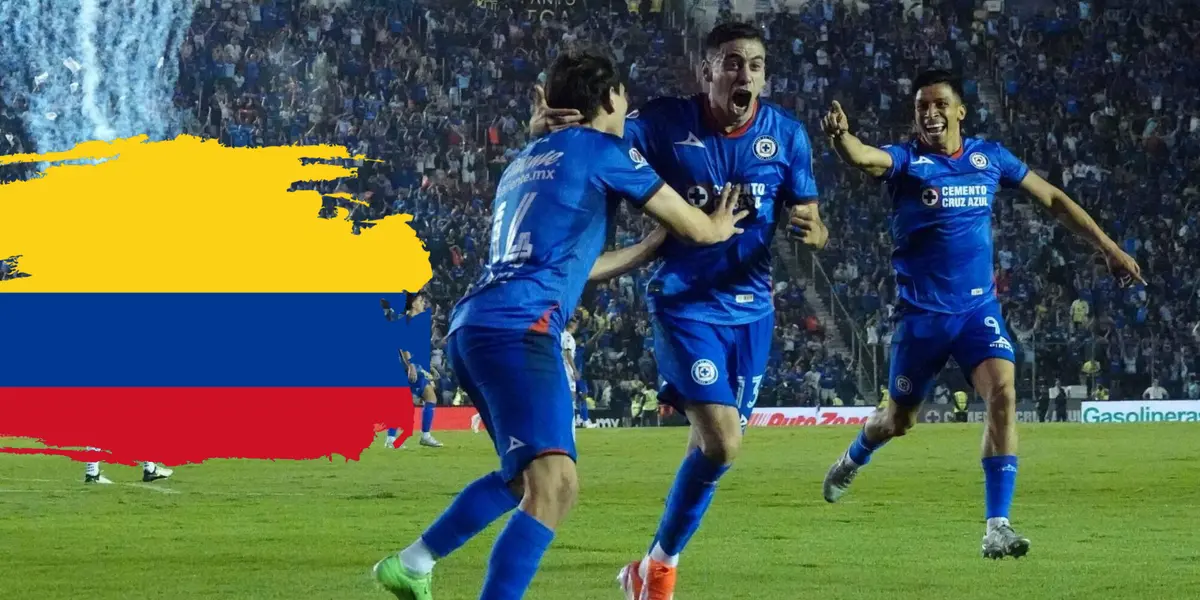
(994, 324)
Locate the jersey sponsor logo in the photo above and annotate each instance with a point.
(979, 160)
(633, 115)
(744, 298)
(513, 444)
(704, 372)
(697, 196)
(691, 140)
(903, 385)
(922, 160)
(930, 197)
(765, 147)
(639, 161)
(957, 196)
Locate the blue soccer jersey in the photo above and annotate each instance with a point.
(942, 222)
(727, 283)
(713, 306)
(418, 333)
(549, 225)
(942, 228)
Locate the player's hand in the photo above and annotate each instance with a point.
(807, 227)
(546, 119)
(723, 215)
(835, 122)
(1123, 267)
(412, 374)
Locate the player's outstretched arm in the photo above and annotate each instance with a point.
(689, 223)
(619, 262)
(869, 159)
(1071, 215)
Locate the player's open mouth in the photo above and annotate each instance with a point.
(935, 128)
(742, 98)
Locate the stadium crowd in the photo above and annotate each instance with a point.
(1096, 95)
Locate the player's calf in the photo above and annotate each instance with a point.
(715, 439)
(428, 409)
(551, 487)
(994, 379)
(1000, 428)
(882, 426)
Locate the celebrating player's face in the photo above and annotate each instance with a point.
(736, 75)
(938, 113)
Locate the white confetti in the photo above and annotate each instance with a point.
(74, 86)
(72, 64)
(40, 79)
(160, 63)
(52, 115)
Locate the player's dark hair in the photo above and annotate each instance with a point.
(731, 31)
(938, 76)
(582, 79)
(411, 299)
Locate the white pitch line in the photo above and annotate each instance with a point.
(147, 486)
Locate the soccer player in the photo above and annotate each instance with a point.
(550, 216)
(713, 307)
(569, 349)
(150, 472)
(942, 187)
(421, 381)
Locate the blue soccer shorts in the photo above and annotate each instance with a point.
(703, 363)
(518, 383)
(924, 341)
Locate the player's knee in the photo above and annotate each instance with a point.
(722, 448)
(899, 420)
(517, 487)
(552, 481)
(1000, 396)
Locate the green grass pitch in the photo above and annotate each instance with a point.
(1112, 511)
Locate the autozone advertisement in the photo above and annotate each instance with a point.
(801, 416)
(1142, 411)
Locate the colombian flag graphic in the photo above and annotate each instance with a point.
(172, 329)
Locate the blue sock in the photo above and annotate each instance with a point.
(392, 432)
(861, 448)
(427, 417)
(695, 484)
(515, 557)
(477, 506)
(1000, 479)
(583, 410)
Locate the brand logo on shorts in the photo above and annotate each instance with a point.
(903, 385)
(704, 372)
(979, 160)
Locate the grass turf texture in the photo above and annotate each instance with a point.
(1112, 512)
